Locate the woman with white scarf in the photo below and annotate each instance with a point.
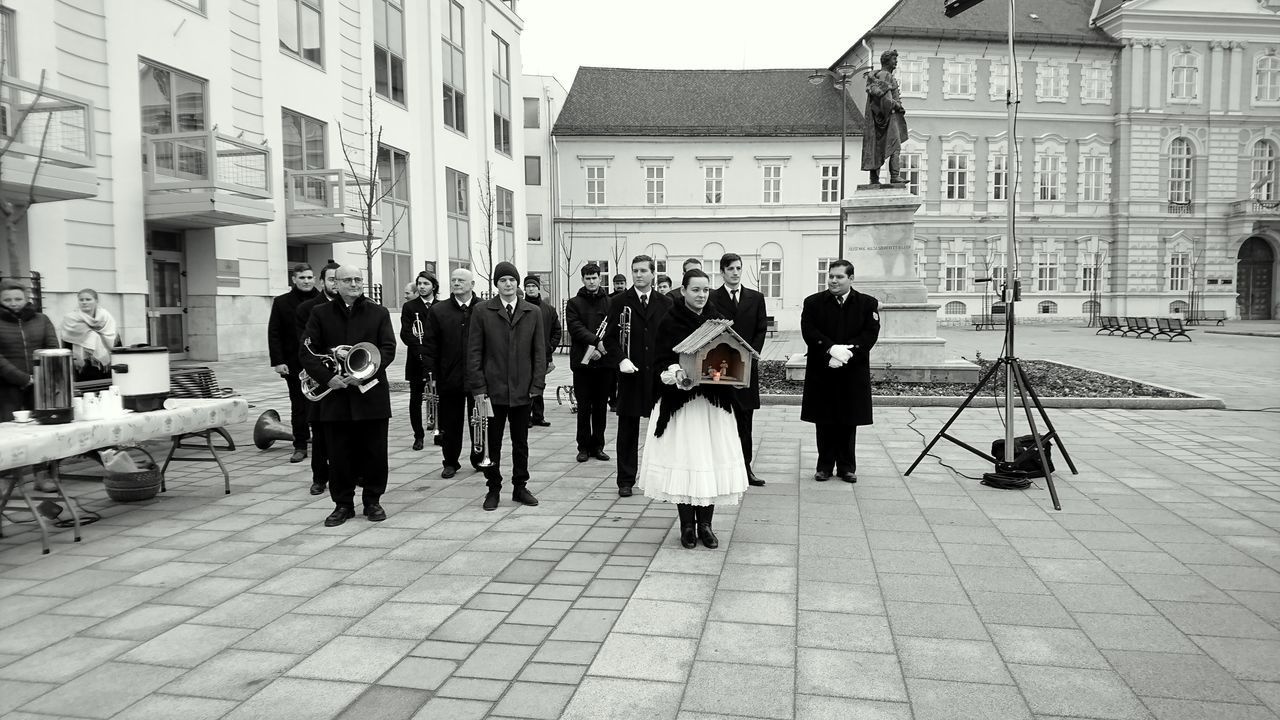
(90, 332)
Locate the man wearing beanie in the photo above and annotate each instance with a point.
(551, 324)
(506, 369)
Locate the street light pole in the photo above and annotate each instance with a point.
(843, 133)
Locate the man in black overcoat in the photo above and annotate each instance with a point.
(355, 413)
(413, 324)
(328, 288)
(282, 346)
(592, 377)
(445, 357)
(750, 320)
(840, 326)
(551, 326)
(636, 374)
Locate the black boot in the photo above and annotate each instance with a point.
(703, 516)
(688, 534)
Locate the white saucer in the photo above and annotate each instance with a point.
(24, 422)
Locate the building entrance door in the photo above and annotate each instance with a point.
(167, 292)
(1255, 279)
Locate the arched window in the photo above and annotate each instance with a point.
(1185, 66)
(1091, 307)
(1266, 79)
(1180, 171)
(1178, 307)
(1264, 183)
(1047, 307)
(997, 308)
(955, 307)
(711, 254)
(658, 252)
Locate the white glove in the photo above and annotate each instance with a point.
(668, 376)
(841, 353)
(626, 366)
(834, 363)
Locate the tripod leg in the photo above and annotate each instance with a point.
(976, 389)
(1053, 432)
(1035, 433)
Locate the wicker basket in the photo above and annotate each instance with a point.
(134, 486)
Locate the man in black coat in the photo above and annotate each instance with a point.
(634, 360)
(356, 412)
(506, 369)
(413, 319)
(677, 293)
(592, 378)
(282, 346)
(840, 326)
(319, 453)
(746, 308)
(551, 325)
(445, 358)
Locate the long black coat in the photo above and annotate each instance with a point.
(21, 334)
(636, 391)
(750, 321)
(283, 329)
(415, 309)
(507, 359)
(550, 323)
(839, 396)
(583, 314)
(333, 324)
(444, 348)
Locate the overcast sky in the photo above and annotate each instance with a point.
(560, 35)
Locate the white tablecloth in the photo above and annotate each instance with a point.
(23, 444)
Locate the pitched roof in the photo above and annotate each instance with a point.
(709, 331)
(712, 103)
(1067, 22)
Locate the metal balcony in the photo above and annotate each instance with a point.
(47, 142)
(204, 179)
(328, 206)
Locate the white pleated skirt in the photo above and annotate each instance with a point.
(698, 459)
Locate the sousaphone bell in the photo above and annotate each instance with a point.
(269, 429)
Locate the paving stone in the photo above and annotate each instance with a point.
(746, 690)
(585, 625)
(605, 698)
(938, 700)
(559, 651)
(442, 589)
(840, 597)
(1181, 588)
(386, 703)
(539, 612)
(473, 688)
(421, 673)
(765, 608)
(553, 673)
(838, 631)
(206, 591)
(1129, 632)
(103, 691)
(249, 610)
(828, 672)
(469, 626)
(935, 620)
(1117, 599)
(354, 659)
(743, 643)
(663, 659)
(409, 621)
(1077, 692)
(539, 701)
(350, 600)
(1169, 709)
(661, 617)
(968, 661)
(1170, 675)
(185, 646)
(14, 693)
(923, 588)
(443, 650)
(1017, 609)
(108, 602)
(64, 660)
(820, 707)
(676, 587)
(758, 578)
(233, 674)
(306, 699)
(1046, 646)
(496, 661)
(301, 634)
(1000, 579)
(1217, 619)
(1245, 659)
(165, 707)
(519, 634)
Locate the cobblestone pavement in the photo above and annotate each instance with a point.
(1155, 593)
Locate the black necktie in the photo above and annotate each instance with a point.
(840, 300)
(644, 302)
(735, 297)
(511, 312)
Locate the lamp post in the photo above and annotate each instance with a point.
(840, 79)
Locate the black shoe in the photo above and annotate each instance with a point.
(374, 512)
(340, 514)
(438, 440)
(624, 491)
(822, 476)
(540, 423)
(448, 472)
(418, 443)
(491, 500)
(708, 538)
(299, 454)
(317, 488)
(849, 477)
(582, 457)
(600, 455)
(753, 480)
(688, 537)
(523, 496)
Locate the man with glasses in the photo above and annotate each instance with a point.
(355, 414)
(282, 346)
(444, 355)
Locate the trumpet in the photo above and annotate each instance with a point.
(360, 361)
(432, 400)
(480, 433)
(600, 331)
(624, 332)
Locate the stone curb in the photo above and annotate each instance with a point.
(1242, 332)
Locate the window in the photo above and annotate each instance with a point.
(955, 307)
(771, 277)
(1090, 308)
(171, 101)
(957, 264)
(917, 264)
(713, 183)
(1184, 69)
(1095, 83)
(388, 49)
(655, 184)
(1047, 307)
(1089, 278)
(1093, 178)
(830, 183)
(504, 222)
(8, 51)
(772, 184)
(999, 271)
(1180, 171)
(531, 117)
(1266, 79)
(502, 96)
(1178, 307)
(958, 79)
(998, 80)
(1051, 81)
(957, 176)
(534, 223)
(197, 5)
(1264, 183)
(304, 142)
(910, 167)
(913, 77)
(397, 251)
(532, 169)
(458, 210)
(595, 185)
(300, 29)
(1179, 272)
(1047, 273)
(823, 264)
(999, 177)
(1050, 180)
(454, 69)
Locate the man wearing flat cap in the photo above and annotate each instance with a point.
(551, 325)
(506, 369)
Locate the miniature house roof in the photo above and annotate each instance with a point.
(709, 331)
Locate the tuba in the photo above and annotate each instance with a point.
(480, 434)
(360, 361)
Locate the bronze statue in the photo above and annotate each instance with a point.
(885, 125)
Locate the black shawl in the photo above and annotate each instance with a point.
(679, 323)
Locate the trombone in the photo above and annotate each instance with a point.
(480, 433)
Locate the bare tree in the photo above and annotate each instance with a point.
(619, 253)
(372, 194)
(487, 199)
(566, 255)
(14, 212)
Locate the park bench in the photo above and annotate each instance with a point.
(1172, 327)
(1214, 316)
(986, 321)
(1139, 326)
(1109, 324)
(770, 325)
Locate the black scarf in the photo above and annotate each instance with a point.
(680, 323)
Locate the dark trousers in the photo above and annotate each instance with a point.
(356, 448)
(744, 416)
(417, 393)
(591, 388)
(455, 413)
(628, 449)
(537, 410)
(319, 455)
(836, 445)
(517, 416)
(299, 407)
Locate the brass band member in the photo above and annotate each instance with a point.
(445, 357)
(551, 326)
(745, 307)
(355, 414)
(282, 346)
(413, 323)
(631, 351)
(840, 326)
(586, 315)
(506, 367)
(319, 453)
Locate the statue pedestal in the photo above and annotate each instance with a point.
(879, 223)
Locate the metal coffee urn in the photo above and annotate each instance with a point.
(52, 386)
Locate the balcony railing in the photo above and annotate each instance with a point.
(1255, 206)
(207, 160)
(1180, 208)
(329, 192)
(46, 122)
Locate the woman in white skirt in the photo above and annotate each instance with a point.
(693, 456)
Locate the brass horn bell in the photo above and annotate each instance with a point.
(269, 429)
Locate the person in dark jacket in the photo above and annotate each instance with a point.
(445, 358)
(355, 413)
(677, 293)
(413, 319)
(840, 326)
(634, 360)
(586, 314)
(282, 345)
(506, 369)
(745, 307)
(23, 330)
(551, 324)
(619, 285)
(319, 453)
